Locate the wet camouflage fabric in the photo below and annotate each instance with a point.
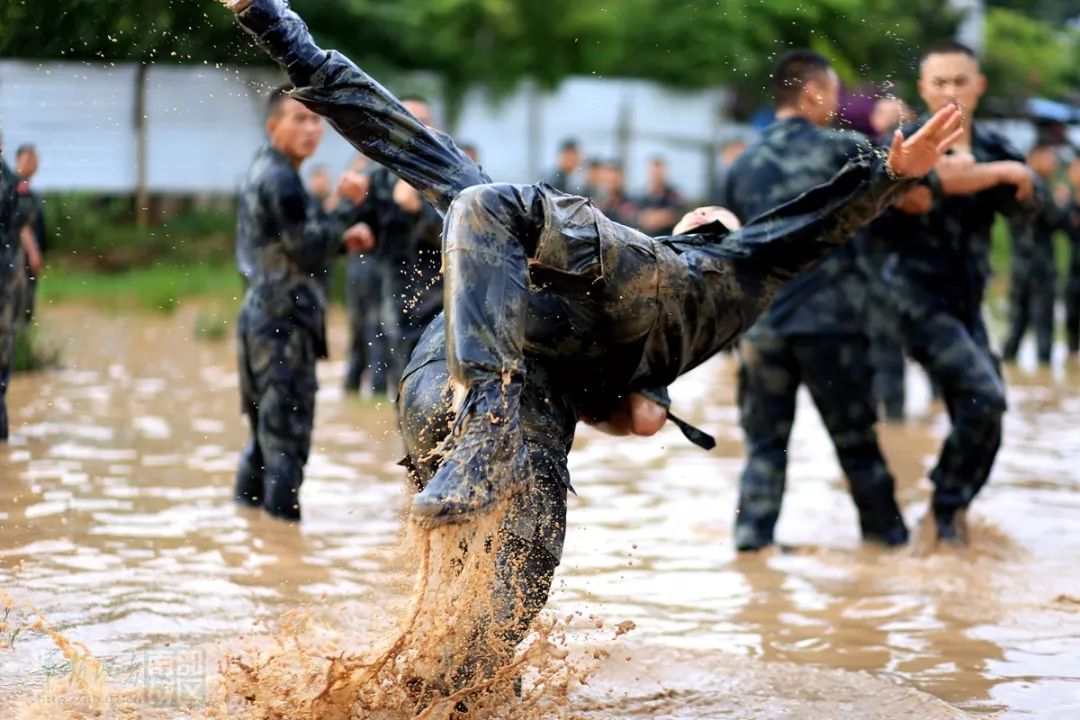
(541, 285)
(284, 246)
(11, 264)
(1032, 290)
(836, 371)
(32, 212)
(409, 251)
(536, 521)
(367, 339)
(887, 358)
(937, 274)
(1072, 282)
(790, 157)
(814, 334)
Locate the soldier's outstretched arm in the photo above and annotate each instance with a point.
(787, 240)
(364, 112)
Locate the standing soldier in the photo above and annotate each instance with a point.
(938, 272)
(1034, 277)
(32, 211)
(284, 245)
(814, 333)
(408, 237)
(363, 300)
(564, 177)
(1072, 279)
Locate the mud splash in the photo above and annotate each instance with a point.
(116, 525)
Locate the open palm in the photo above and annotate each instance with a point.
(915, 156)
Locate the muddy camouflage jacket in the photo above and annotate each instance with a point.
(285, 244)
(940, 261)
(1033, 238)
(791, 157)
(9, 224)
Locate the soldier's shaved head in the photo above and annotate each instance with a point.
(794, 71)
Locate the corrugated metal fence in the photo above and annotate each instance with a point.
(200, 125)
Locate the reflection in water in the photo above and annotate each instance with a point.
(116, 522)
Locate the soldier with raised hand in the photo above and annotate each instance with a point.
(284, 245)
(937, 275)
(815, 332)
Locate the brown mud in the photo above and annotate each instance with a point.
(134, 588)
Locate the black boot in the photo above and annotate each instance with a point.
(484, 459)
(952, 527)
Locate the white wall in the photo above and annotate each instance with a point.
(204, 124)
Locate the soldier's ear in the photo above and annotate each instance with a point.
(980, 84)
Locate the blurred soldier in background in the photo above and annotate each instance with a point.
(284, 245)
(1033, 288)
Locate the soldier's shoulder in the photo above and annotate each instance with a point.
(996, 144)
(849, 142)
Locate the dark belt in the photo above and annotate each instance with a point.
(696, 435)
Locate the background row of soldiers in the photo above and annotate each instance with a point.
(22, 246)
(1034, 286)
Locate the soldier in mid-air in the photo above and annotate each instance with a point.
(554, 313)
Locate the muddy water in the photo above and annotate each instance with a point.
(115, 523)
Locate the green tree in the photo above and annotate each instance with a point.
(1026, 57)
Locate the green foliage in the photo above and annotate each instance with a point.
(1055, 12)
(31, 353)
(158, 287)
(1028, 57)
(497, 43)
(101, 233)
(211, 326)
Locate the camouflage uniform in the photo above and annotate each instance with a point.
(367, 341)
(937, 271)
(1072, 280)
(1034, 277)
(284, 244)
(541, 285)
(32, 211)
(408, 256)
(814, 335)
(10, 272)
(883, 331)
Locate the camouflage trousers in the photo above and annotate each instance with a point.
(368, 340)
(1031, 301)
(958, 358)
(534, 527)
(276, 359)
(1072, 314)
(886, 354)
(836, 371)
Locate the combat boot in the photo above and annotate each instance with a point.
(484, 457)
(952, 527)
